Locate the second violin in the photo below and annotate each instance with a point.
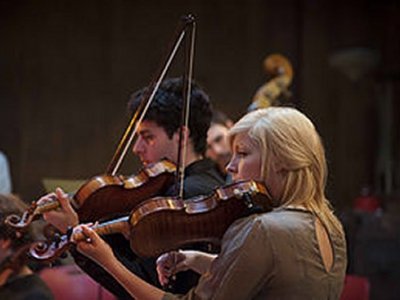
(104, 196)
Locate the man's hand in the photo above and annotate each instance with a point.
(63, 217)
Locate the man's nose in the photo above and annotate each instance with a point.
(218, 149)
(138, 146)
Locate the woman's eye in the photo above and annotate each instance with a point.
(242, 154)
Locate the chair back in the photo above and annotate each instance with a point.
(69, 282)
(355, 288)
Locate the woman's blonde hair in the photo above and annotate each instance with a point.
(291, 138)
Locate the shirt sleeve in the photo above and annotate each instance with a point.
(243, 267)
(5, 179)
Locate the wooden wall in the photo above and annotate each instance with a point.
(68, 67)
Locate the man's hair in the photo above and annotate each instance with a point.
(166, 110)
(220, 118)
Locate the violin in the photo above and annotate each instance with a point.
(173, 223)
(107, 195)
(279, 68)
(49, 251)
(162, 224)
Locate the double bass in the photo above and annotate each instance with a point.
(280, 70)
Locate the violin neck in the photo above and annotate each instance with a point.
(114, 226)
(53, 204)
(49, 206)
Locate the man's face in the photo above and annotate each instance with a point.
(218, 148)
(153, 144)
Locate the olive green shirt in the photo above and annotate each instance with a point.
(273, 255)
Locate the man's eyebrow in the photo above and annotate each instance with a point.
(144, 131)
(218, 138)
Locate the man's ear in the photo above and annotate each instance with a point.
(185, 134)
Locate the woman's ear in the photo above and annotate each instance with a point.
(278, 167)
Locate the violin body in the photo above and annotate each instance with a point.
(162, 224)
(106, 196)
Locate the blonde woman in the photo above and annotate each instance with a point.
(297, 251)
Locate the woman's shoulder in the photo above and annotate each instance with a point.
(275, 221)
(265, 229)
(284, 217)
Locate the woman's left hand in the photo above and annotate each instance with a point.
(93, 246)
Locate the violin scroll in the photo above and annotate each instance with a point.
(48, 251)
(31, 214)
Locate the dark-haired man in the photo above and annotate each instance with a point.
(159, 135)
(158, 138)
(218, 148)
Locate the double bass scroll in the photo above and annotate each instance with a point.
(280, 71)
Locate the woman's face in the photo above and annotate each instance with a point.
(245, 163)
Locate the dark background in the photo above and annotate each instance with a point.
(68, 67)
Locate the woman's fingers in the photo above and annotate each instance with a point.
(163, 275)
(89, 234)
(163, 268)
(167, 265)
(85, 231)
